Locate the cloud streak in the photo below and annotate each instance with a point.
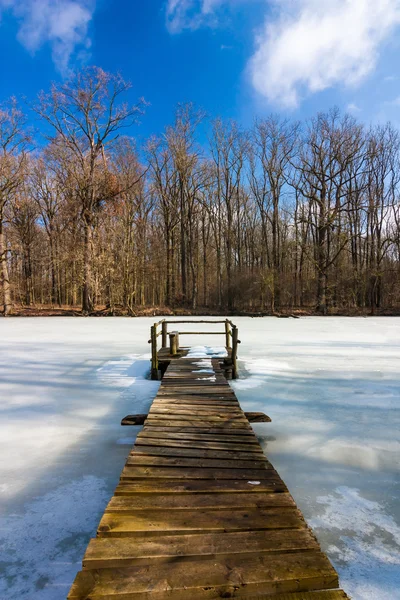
(63, 24)
(191, 14)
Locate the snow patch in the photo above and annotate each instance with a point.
(43, 545)
(368, 548)
(206, 351)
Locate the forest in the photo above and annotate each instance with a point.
(206, 216)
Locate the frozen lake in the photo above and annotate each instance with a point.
(330, 385)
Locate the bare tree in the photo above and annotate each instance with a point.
(331, 146)
(87, 115)
(272, 149)
(13, 145)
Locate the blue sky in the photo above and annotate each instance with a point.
(233, 58)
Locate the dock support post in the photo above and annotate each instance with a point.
(173, 343)
(235, 342)
(164, 327)
(227, 334)
(154, 357)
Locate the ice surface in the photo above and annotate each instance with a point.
(331, 386)
(332, 389)
(65, 384)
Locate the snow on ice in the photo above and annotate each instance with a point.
(330, 385)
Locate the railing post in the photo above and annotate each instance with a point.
(235, 342)
(154, 357)
(173, 343)
(227, 334)
(164, 333)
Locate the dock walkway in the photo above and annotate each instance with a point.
(199, 512)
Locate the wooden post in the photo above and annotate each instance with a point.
(164, 332)
(173, 343)
(235, 342)
(227, 334)
(154, 357)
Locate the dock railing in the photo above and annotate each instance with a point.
(161, 329)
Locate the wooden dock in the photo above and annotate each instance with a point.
(200, 512)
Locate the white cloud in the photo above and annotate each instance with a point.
(304, 46)
(353, 108)
(313, 45)
(61, 23)
(191, 14)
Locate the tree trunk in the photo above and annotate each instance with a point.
(322, 260)
(4, 277)
(87, 297)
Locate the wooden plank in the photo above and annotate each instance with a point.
(246, 434)
(315, 595)
(257, 417)
(134, 419)
(121, 552)
(191, 377)
(195, 452)
(227, 396)
(166, 409)
(192, 444)
(273, 483)
(131, 472)
(200, 390)
(237, 575)
(196, 415)
(206, 445)
(133, 502)
(189, 387)
(198, 420)
(192, 401)
(202, 520)
(200, 463)
(199, 409)
(224, 437)
(201, 424)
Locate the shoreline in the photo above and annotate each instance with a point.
(157, 311)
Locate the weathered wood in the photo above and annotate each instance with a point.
(120, 552)
(194, 452)
(158, 408)
(199, 512)
(206, 404)
(315, 595)
(134, 420)
(218, 501)
(199, 392)
(203, 520)
(131, 472)
(257, 417)
(186, 427)
(238, 574)
(235, 342)
(154, 356)
(164, 332)
(169, 433)
(199, 424)
(203, 463)
(173, 343)
(272, 483)
(190, 415)
(227, 334)
(205, 445)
